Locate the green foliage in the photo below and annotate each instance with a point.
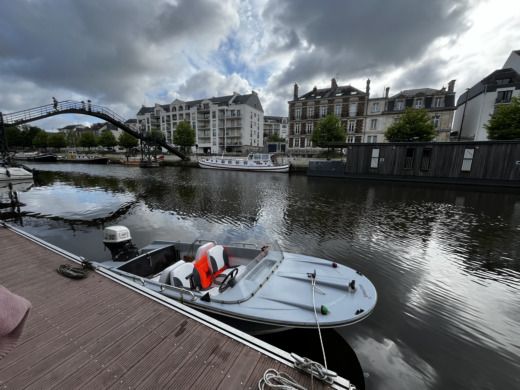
(87, 140)
(107, 139)
(40, 139)
(505, 122)
(275, 138)
(56, 140)
(127, 141)
(184, 135)
(328, 130)
(413, 125)
(156, 136)
(13, 136)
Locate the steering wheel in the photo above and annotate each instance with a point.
(228, 280)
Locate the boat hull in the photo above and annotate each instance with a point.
(230, 167)
(37, 158)
(14, 174)
(97, 160)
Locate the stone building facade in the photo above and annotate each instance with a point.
(305, 111)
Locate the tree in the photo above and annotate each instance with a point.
(505, 122)
(57, 140)
(275, 138)
(127, 141)
(87, 140)
(13, 136)
(184, 136)
(413, 125)
(40, 139)
(107, 139)
(28, 135)
(328, 130)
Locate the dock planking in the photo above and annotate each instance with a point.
(95, 333)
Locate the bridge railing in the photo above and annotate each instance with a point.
(66, 105)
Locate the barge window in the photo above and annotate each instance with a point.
(426, 159)
(374, 161)
(408, 160)
(467, 160)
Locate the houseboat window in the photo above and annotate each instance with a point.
(408, 160)
(425, 159)
(374, 161)
(467, 160)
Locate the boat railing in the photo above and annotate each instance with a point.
(162, 286)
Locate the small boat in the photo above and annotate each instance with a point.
(73, 157)
(256, 162)
(9, 172)
(257, 289)
(36, 157)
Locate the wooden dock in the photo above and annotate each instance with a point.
(95, 333)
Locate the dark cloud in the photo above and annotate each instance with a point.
(112, 51)
(352, 39)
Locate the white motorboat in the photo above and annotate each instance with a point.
(254, 162)
(258, 289)
(13, 173)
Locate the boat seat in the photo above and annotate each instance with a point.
(201, 263)
(218, 260)
(186, 276)
(164, 276)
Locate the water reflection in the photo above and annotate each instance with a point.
(444, 260)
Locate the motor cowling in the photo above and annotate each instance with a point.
(119, 242)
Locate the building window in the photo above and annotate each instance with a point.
(504, 96)
(338, 110)
(310, 127)
(437, 101)
(297, 128)
(323, 111)
(302, 143)
(372, 139)
(436, 120)
(350, 139)
(351, 126)
(352, 110)
(290, 142)
(298, 113)
(374, 160)
(373, 124)
(409, 157)
(419, 103)
(426, 159)
(399, 105)
(467, 160)
(310, 112)
(375, 107)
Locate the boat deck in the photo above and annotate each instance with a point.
(96, 333)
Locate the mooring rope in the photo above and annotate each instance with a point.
(278, 380)
(313, 282)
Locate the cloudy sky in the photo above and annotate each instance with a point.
(126, 53)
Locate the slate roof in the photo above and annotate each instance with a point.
(325, 93)
(489, 83)
(418, 91)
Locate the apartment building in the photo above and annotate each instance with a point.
(275, 125)
(231, 123)
(346, 102)
(478, 103)
(384, 111)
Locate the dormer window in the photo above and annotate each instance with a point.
(419, 103)
(399, 105)
(504, 96)
(437, 101)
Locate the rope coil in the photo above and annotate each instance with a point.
(72, 272)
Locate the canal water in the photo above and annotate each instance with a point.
(445, 260)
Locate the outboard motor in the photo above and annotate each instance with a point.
(118, 240)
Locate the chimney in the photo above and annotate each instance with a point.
(387, 92)
(451, 86)
(295, 91)
(315, 90)
(368, 87)
(333, 84)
